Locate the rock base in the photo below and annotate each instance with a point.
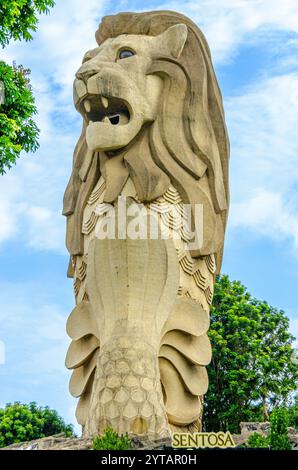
(61, 442)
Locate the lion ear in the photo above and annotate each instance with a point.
(174, 39)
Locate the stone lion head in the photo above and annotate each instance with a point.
(152, 110)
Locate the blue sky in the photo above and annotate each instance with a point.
(254, 44)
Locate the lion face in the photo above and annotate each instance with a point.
(113, 90)
(152, 111)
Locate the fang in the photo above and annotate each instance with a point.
(105, 101)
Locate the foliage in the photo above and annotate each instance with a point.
(278, 435)
(20, 422)
(257, 441)
(18, 131)
(293, 413)
(111, 440)
(251, 368)
(18, 18)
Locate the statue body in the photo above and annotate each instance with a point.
(153, 138)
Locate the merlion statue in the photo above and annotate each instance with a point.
(153, 137)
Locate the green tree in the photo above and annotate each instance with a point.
(18, 18)
(251, 367)
(19, 423)
(18, 131)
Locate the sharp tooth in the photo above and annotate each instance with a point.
(105, 101)
(106, 119)
(87, 105)
(80, 88)
(123, 119)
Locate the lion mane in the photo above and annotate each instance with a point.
(192, 155)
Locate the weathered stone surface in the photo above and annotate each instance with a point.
(57, 442)
(60, 442)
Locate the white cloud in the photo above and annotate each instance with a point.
(36, 226)
(38, 325)
(8, 220)
(227, 24)
(265, 213)
(46, 230)
(62, 38)
(52, 326)
(263, 127)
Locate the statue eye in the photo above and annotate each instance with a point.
(125, 53)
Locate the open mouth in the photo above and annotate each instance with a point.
(97, 108)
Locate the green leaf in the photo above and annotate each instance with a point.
(18, 131)
(18, 18)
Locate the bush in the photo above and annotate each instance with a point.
(257, 441)
(20, 422)
(111, 440)
(293, 413)
(278, 435)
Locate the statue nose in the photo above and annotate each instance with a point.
(86, 71)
